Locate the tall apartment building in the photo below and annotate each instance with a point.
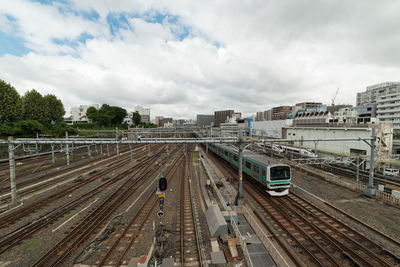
(205, 120)
(375, 91)
(280, 113)
(260, 116)
(221, 116)
(144, 114)
(386, 97)
(268, 115)
(78, 114)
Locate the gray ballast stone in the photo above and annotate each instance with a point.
(216, 222)
(217, 257)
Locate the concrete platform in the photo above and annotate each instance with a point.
(216, 222)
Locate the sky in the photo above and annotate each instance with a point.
(183, 58)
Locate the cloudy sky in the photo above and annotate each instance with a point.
(181, 57)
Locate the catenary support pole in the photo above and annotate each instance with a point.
(117, 150)
(358, 169)
(11, 156)
(89, 152)
(240, 185)
(149, 149)
(36, 146)
(370, 190)
(131, 150)
(53, 160)
(67, 148)
(108, 150)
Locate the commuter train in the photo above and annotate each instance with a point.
(275, 176)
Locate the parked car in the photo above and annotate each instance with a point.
(391, 172)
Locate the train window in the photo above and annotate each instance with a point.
(263, 173)
(248, 165)
(256, 168)
(280, 173)
(235, 158)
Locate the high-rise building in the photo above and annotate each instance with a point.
(386, 97)
(205, 120)
(373, 92)
(280, 113)
(144, 114)
(222, 116)
(260, 116)
(268, 115)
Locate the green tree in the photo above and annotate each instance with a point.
(10, 103)
(136, 118)
(92, 114)
(105, 115)
(33, 106)
(119, 115)
(54, 109)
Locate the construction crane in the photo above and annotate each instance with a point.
(333, 99)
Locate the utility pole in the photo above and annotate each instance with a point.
(52, 154)
(370, 190)
(11, 156)
(130, 148)
(67, 148)
(240, 167)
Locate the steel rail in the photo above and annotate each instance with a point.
(132, 221)
(80, 233)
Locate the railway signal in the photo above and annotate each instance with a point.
(162, 184)
(160, 214)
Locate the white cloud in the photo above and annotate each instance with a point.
(245, 55)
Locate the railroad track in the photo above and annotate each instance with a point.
(188, 248)
(14, 237)
(303, 229)
(51, 169)
(11, 217)
(35, 162)
(318, 238)
(60, 252)
(30, 186)
(122, 243)
(363, 175)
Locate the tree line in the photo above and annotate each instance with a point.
(31, 106)
(30, 114)
(34, 113)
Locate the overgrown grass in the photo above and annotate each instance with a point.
(31, 245)
(195, 156)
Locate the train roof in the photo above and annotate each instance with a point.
(257, 158)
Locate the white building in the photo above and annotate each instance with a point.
(144, 113)
(78, 114)
(388, 109)
(269, 129)
(373, 92)
(386, 97)
(384, 133)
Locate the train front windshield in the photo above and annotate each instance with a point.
(280, 173)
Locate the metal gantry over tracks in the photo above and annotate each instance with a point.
(237, 140)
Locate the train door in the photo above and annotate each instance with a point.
(263, 175)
